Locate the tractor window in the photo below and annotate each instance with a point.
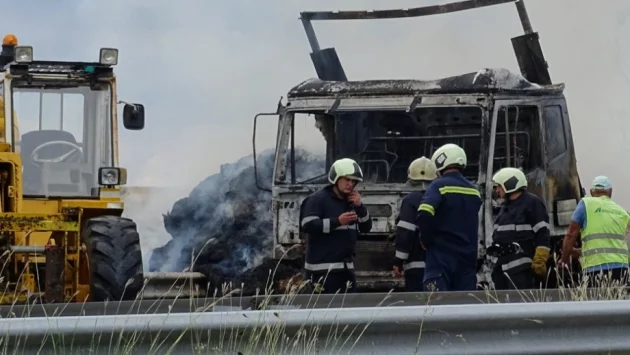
(518, 142)
(64, 137)
(60, 111)
(309, 132)
(555, 137)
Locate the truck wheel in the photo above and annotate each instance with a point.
(115, 258)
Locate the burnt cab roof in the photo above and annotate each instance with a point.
(484, 81)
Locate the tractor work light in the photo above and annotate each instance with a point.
(109, 56)
(23, 54)
(112, 176)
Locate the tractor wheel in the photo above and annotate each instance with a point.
(115, 258)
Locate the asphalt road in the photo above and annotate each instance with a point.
(301, 301)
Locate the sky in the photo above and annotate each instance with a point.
(203, 69)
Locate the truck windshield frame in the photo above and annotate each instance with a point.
(64, 134)
(353, 131)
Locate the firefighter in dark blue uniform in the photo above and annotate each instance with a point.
(332, 219)
(410, 255)
(448, 223)
(521, 241)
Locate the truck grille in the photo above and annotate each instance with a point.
(379, 210)
(374, 255)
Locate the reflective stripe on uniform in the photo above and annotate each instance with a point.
(414, 265)
(459, 190)
(308, 219)
(401, 255)
(515, 263)
(591, 252)
(328, 266)
(427, 208)
(450, 190)
(409, 226)
(521, 227)
(365, 218)
(602, 236)
(325, 223)
(540, 225)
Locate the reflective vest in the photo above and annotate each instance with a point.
(604, 238)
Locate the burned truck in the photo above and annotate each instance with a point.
(500, 118)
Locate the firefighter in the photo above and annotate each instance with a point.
(604, 249)
(410, 255)
(521, 241)
(333, 217)
(448, 222)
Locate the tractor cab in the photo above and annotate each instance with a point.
(66, 114)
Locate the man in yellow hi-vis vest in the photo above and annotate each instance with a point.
(602, 224)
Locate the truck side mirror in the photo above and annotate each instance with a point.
(133, 116)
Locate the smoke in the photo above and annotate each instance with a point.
(225, 223)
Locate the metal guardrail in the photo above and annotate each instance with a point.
(591, 327)
(271, 302)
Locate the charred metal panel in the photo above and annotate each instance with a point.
(327, 65)
(380, 210)
(400, 13)
(482, 81)
(401, 103)
(530, 58)
(288, 218)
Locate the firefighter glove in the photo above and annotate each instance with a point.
(539, 262)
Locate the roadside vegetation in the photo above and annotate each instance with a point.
(260, 332)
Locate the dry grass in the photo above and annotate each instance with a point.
(266, 339)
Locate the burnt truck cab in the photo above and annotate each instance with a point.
(499, 119)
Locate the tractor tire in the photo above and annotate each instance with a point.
(115, 258)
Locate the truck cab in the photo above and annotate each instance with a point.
(498, 117)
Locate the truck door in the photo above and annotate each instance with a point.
(515, 141)
(564, 189)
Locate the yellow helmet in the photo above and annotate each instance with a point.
(422, 169)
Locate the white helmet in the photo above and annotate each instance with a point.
(422, 169)
(449, 155)
(345, 167)
(510, 179)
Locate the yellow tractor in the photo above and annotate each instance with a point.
(62, 237)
